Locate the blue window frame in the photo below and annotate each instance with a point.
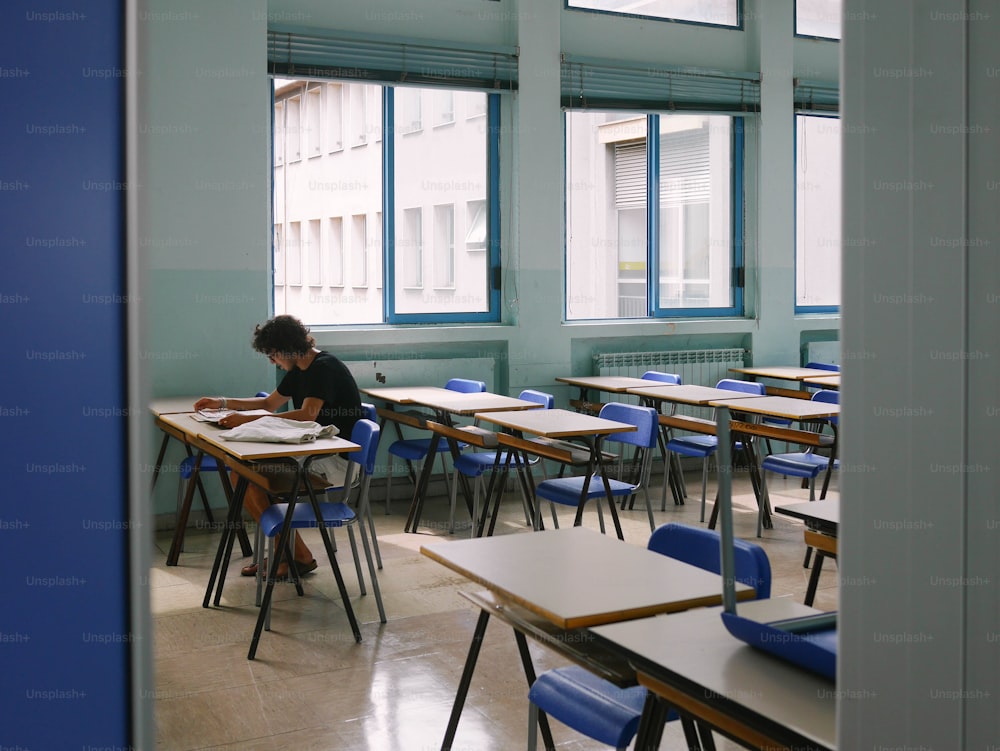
(624, 261)
(368, 196)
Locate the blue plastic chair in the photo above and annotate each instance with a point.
(805, 464)
(417, 449)
(672, 379)
(823, 366)
(475, 464)
(705, 446)
(567, 490)
(598, 708)
(334, 513)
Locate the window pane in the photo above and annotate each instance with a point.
(339, 193)
(720, 12)
(818, 18)
(817, 211)
(695, 211)
(605, 214)
(439, 172)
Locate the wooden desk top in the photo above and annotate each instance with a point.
(688, 394)
(468, 404)
(695, 656)
(827, 381)
(781, 406)
(555, 423)
(405, 394)
(782, 372)
(611, 384)
(822, 515)
(207, 436)
(172, 405)
(576, 577)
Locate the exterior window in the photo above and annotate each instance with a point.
(313, 134)
(817, 213)
(693, 248)
(409, 118)
(335, 252)
(818, 18)
(713, 12)
(334, 116)
(293, 129)
(279, 134)
(410, 248)
(444, 246)
(333, 255)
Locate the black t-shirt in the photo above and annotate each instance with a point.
(326, 378)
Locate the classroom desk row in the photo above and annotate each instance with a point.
(247, 460)
(570, 590)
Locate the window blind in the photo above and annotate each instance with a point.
(312, 53)
(816, 96)
(588, 83)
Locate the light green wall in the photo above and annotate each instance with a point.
(205, 191)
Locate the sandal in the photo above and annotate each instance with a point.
(300, 569)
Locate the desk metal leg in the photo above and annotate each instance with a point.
(159, 461)
(650, 732)
(529, 673)
(235, 508)
(182, 516)
(466, 680)
(596, 459)
(420, 488)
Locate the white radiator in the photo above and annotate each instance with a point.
(701, 367)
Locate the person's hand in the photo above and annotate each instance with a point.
(208, 402)
(231, 421)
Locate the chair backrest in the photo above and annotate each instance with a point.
(645, 419)
(539, 397)
(700, 547)
(370, 412)
(366, 435)
(465, 385)
(828, 396)
(823, 366)
(656, 375)
(262, 394)
(746, 387)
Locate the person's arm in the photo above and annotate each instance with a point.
(271, 403)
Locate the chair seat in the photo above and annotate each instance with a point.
(566, 490)
(694, 445)
(589, 704)
(334, 515)
(415, 449)
(476, 463)
(797, 464)
(208, 464)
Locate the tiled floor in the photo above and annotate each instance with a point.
(313, 687)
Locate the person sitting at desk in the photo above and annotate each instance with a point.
(322, 390)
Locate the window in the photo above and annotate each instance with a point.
(313, 254)
(313, 134)
(714, 12)
(334, 116)
(293, 129)
(335, 252)
(293, 255)
(475, 234)
(409, 118)
(818, 18)
(625, 261)
(817, 213)
(440, 194)
(444, 107)
(444, 246)
(279, 133)
(410, 248)
(359, 250)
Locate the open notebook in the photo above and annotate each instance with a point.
(810, 641)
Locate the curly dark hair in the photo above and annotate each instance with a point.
(283, 336)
